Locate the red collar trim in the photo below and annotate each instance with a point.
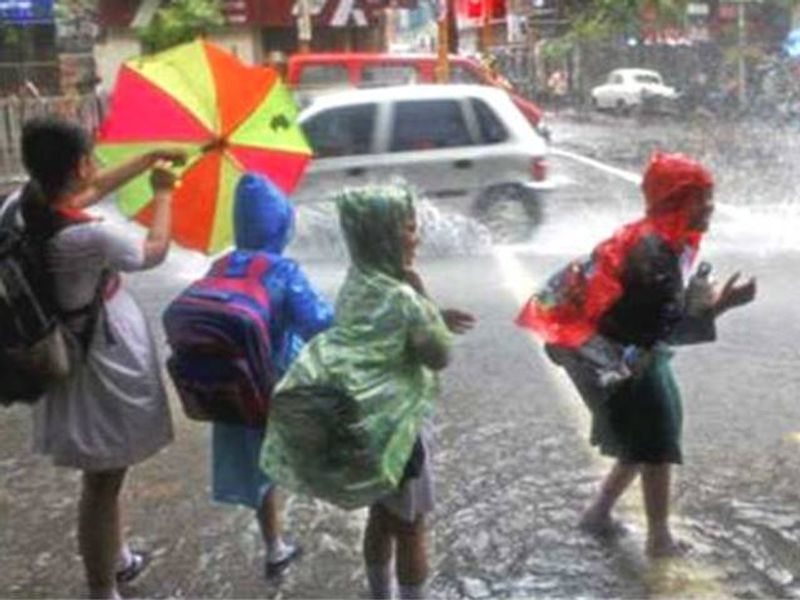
(76, 215)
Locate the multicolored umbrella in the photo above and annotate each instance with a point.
(229, 117)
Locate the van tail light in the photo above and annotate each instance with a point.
(539, 169)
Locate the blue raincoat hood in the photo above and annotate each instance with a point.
(263, 217)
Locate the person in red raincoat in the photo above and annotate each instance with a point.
(609, 321)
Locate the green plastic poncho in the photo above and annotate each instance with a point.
(345, 417)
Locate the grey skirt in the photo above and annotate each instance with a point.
(415, 497)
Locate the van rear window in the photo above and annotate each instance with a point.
(378, 75)
(461, 74)
(323, 75)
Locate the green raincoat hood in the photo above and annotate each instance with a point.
(373, 220)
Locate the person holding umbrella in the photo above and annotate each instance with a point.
(112, 411)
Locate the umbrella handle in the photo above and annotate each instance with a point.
(218, 143)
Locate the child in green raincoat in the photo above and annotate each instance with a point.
(382, 353)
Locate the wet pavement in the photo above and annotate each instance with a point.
(513, 466)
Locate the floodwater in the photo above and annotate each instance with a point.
(513, 466)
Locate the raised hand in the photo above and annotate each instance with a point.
(732, 295)
(458, 321)
(175, 156)
(161, 178)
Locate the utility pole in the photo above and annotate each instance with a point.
(452, 27)
(741, 27)
(442, 42)
(742, 42)
(486, 28)
(390, 30)
(304, 26)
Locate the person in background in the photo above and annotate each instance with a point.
(112, 411)
(264, 223)
(101, 98)
(558, 86)
(277, 60)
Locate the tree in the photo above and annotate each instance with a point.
(606, 18)
(180, 21)
(595, 20)
(75, 9)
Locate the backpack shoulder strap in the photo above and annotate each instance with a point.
(258, 266)
(254, 266)
(91, 311)
(9, 210)
(65, 219)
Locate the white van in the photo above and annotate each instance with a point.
(463, 146)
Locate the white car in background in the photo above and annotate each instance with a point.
(466, 147)
(626, 89)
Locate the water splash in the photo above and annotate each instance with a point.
(318, 237)
(442, 234)
(757, 211)
(753, 229)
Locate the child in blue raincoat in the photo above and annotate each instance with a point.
(264, 223)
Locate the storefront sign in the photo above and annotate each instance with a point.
(26, 11)
(697, 9)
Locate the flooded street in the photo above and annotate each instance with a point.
(513, 464)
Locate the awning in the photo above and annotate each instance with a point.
(274, 13)
(117, 13)
(26, 11)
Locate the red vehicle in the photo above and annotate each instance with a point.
(311, 74)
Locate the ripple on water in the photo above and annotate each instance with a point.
(755, 544)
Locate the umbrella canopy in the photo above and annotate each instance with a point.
(230, 118)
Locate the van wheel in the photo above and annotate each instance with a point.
(510, 212)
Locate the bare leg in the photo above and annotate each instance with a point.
(597, 517)
(279, 552)
(655, 489)
(412, 558)
(100, 531)
(378, 540)
(268, 519)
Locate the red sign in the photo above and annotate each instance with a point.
(474, 9)
(728, 12)
(265, 13)
(236, 12)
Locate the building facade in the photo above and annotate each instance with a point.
(254, 30)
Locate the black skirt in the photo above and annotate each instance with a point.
(640, 421)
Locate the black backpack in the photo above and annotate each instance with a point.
(36, 349)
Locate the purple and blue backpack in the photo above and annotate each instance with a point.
(218, 330)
